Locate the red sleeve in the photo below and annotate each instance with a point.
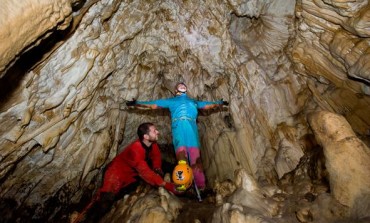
(155, 155)
(139, 164)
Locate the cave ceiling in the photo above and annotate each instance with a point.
(68, 67)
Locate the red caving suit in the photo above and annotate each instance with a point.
(130, 164)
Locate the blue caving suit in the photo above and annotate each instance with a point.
(184, 112)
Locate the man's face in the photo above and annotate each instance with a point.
(181, 88)
(153, 134)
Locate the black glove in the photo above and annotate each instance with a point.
(131, 103)
(225, 103)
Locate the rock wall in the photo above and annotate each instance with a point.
(346, 161)
(25, 24)
(64, 118)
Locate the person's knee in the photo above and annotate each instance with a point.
(181, 155)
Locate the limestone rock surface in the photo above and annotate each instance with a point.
(346, 160)
(68, 67)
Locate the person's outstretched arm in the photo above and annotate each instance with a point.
(155, 104)
(211, 104)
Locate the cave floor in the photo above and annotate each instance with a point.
(195, 211)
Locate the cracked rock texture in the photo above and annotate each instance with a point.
(68, 67)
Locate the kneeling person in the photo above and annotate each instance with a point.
(140, 160)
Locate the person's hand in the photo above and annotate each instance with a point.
(159, 172)
(171, 188)
(131, 103)
(223, 102)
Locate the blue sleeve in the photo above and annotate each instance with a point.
(202, 104)
(163, 103)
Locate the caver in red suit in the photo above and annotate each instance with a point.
(136, 161)
(123, 174)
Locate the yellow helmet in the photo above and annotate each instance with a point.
(182, 175)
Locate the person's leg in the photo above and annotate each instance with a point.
(101, 206)
(181, 154)
(195, 163)
(197, 167)
(113, 182)
(104, 198)
(105, 202)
